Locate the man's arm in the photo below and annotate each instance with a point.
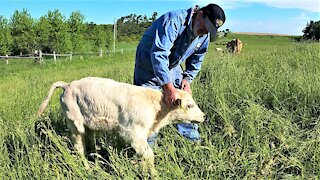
(194, 62)
(166, 34)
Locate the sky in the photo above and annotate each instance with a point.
(261, 16)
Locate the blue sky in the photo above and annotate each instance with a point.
(263, 16)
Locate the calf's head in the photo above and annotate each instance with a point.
(186, 110)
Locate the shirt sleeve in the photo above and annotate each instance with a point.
(165, 35)
(194, 62)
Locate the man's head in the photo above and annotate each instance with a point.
(208, 19)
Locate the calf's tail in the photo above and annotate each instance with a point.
(59, 84)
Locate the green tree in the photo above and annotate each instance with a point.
(312, 31)
(133, 26)
(109, 35)
(42, 32)
(76, 29)
(59, 38)
(153, 17)
(317, 30)
(22, 32)
(5, 37)
(98, 37)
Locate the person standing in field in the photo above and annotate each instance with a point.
(180, 36)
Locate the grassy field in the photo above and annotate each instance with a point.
(263, 110)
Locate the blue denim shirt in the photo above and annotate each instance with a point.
(166, 44)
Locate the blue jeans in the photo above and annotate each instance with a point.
(189, 131)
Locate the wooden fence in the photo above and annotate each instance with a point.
(55, 55)
(37, 56)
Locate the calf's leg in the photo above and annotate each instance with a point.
(77, 137)
(142, 148)
(90, 141)
(75, 120)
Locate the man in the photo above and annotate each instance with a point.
(176, 37)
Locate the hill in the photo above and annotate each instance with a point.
(261, 34)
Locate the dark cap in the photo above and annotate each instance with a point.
(215, 17)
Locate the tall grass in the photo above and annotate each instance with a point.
(262, 118)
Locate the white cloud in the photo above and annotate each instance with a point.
(302, 17)
(307, 5)
(278, 27)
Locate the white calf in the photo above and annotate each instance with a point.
(98, 104)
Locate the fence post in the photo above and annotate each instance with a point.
(81, 57)
(70, 56)
(54, 56)
(40, 56)
(7, 62)
(121, 51)
(20, 53)
(100, 52)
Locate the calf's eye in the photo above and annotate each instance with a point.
(190, 106)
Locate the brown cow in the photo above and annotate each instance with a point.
(234, 46)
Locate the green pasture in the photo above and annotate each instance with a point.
(262, 107)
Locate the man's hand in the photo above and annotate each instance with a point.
(186, 86)
(170, 94)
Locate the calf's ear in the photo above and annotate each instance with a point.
(178, 102)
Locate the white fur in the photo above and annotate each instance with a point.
(98, 104)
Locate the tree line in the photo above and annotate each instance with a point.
(54, 32)
(132, 27)
(311, 31)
